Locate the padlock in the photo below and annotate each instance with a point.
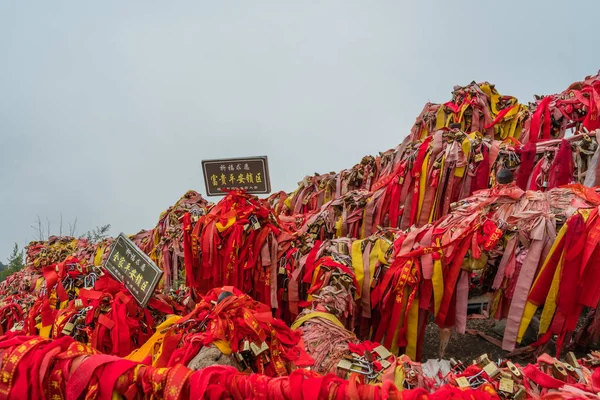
(572, 360)
(483, 360)
(68, 329)
(505, 375)
(559, 372)
(254, 222)
(246, 346)
(258, 350)
(506, 385)
(457, 365)
(345, 365)
(571, 371)
(514, 370)
(491, 369)
(382, 352)
(241, 361)
(520, 394)
(462, 382)
(78, 304)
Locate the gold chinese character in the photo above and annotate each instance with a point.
(231, 178)
(127, 267)
(241, 179)
(116, 257)
(249, 178)
(223, 179)
(132, 274)
(213, 179)
(121, 262)
(144, 285)
(138, 279)
(258, 178)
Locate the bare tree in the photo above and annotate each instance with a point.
(37, 228)
(73, 228)
(47, 227)
(60, 229)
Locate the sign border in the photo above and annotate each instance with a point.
(148, 260)
(264, 159)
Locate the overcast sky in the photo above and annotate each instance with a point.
(108, 107)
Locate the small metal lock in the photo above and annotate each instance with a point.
(559, 372)
(513, 369)
(506, 385)
(462, 382)
(68, 329)
(254, 222)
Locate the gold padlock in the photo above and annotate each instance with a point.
(571, 371)
(572, 360)
(382, 352)
(462, 382)
(68, 329)
(520, 394)
(506, 385)
(483, 360)
(559, 372)
(491, 369)
(246, 346)
(513, 369)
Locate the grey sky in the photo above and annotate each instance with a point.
(108, 107)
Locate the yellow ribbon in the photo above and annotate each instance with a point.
(317, 314)
(358, 265)
(150, 347)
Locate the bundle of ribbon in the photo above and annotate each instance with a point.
(239, 327)
(430, 267)
(334, 348)
(165, 243)
(34, 367)
(489, 120)
(76, 299)
(235, 243)
(575, 108)
(503, 234)
(54, 250)
(13, 309)
(428, 176)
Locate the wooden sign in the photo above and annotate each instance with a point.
(250, 174)
(131, 266)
